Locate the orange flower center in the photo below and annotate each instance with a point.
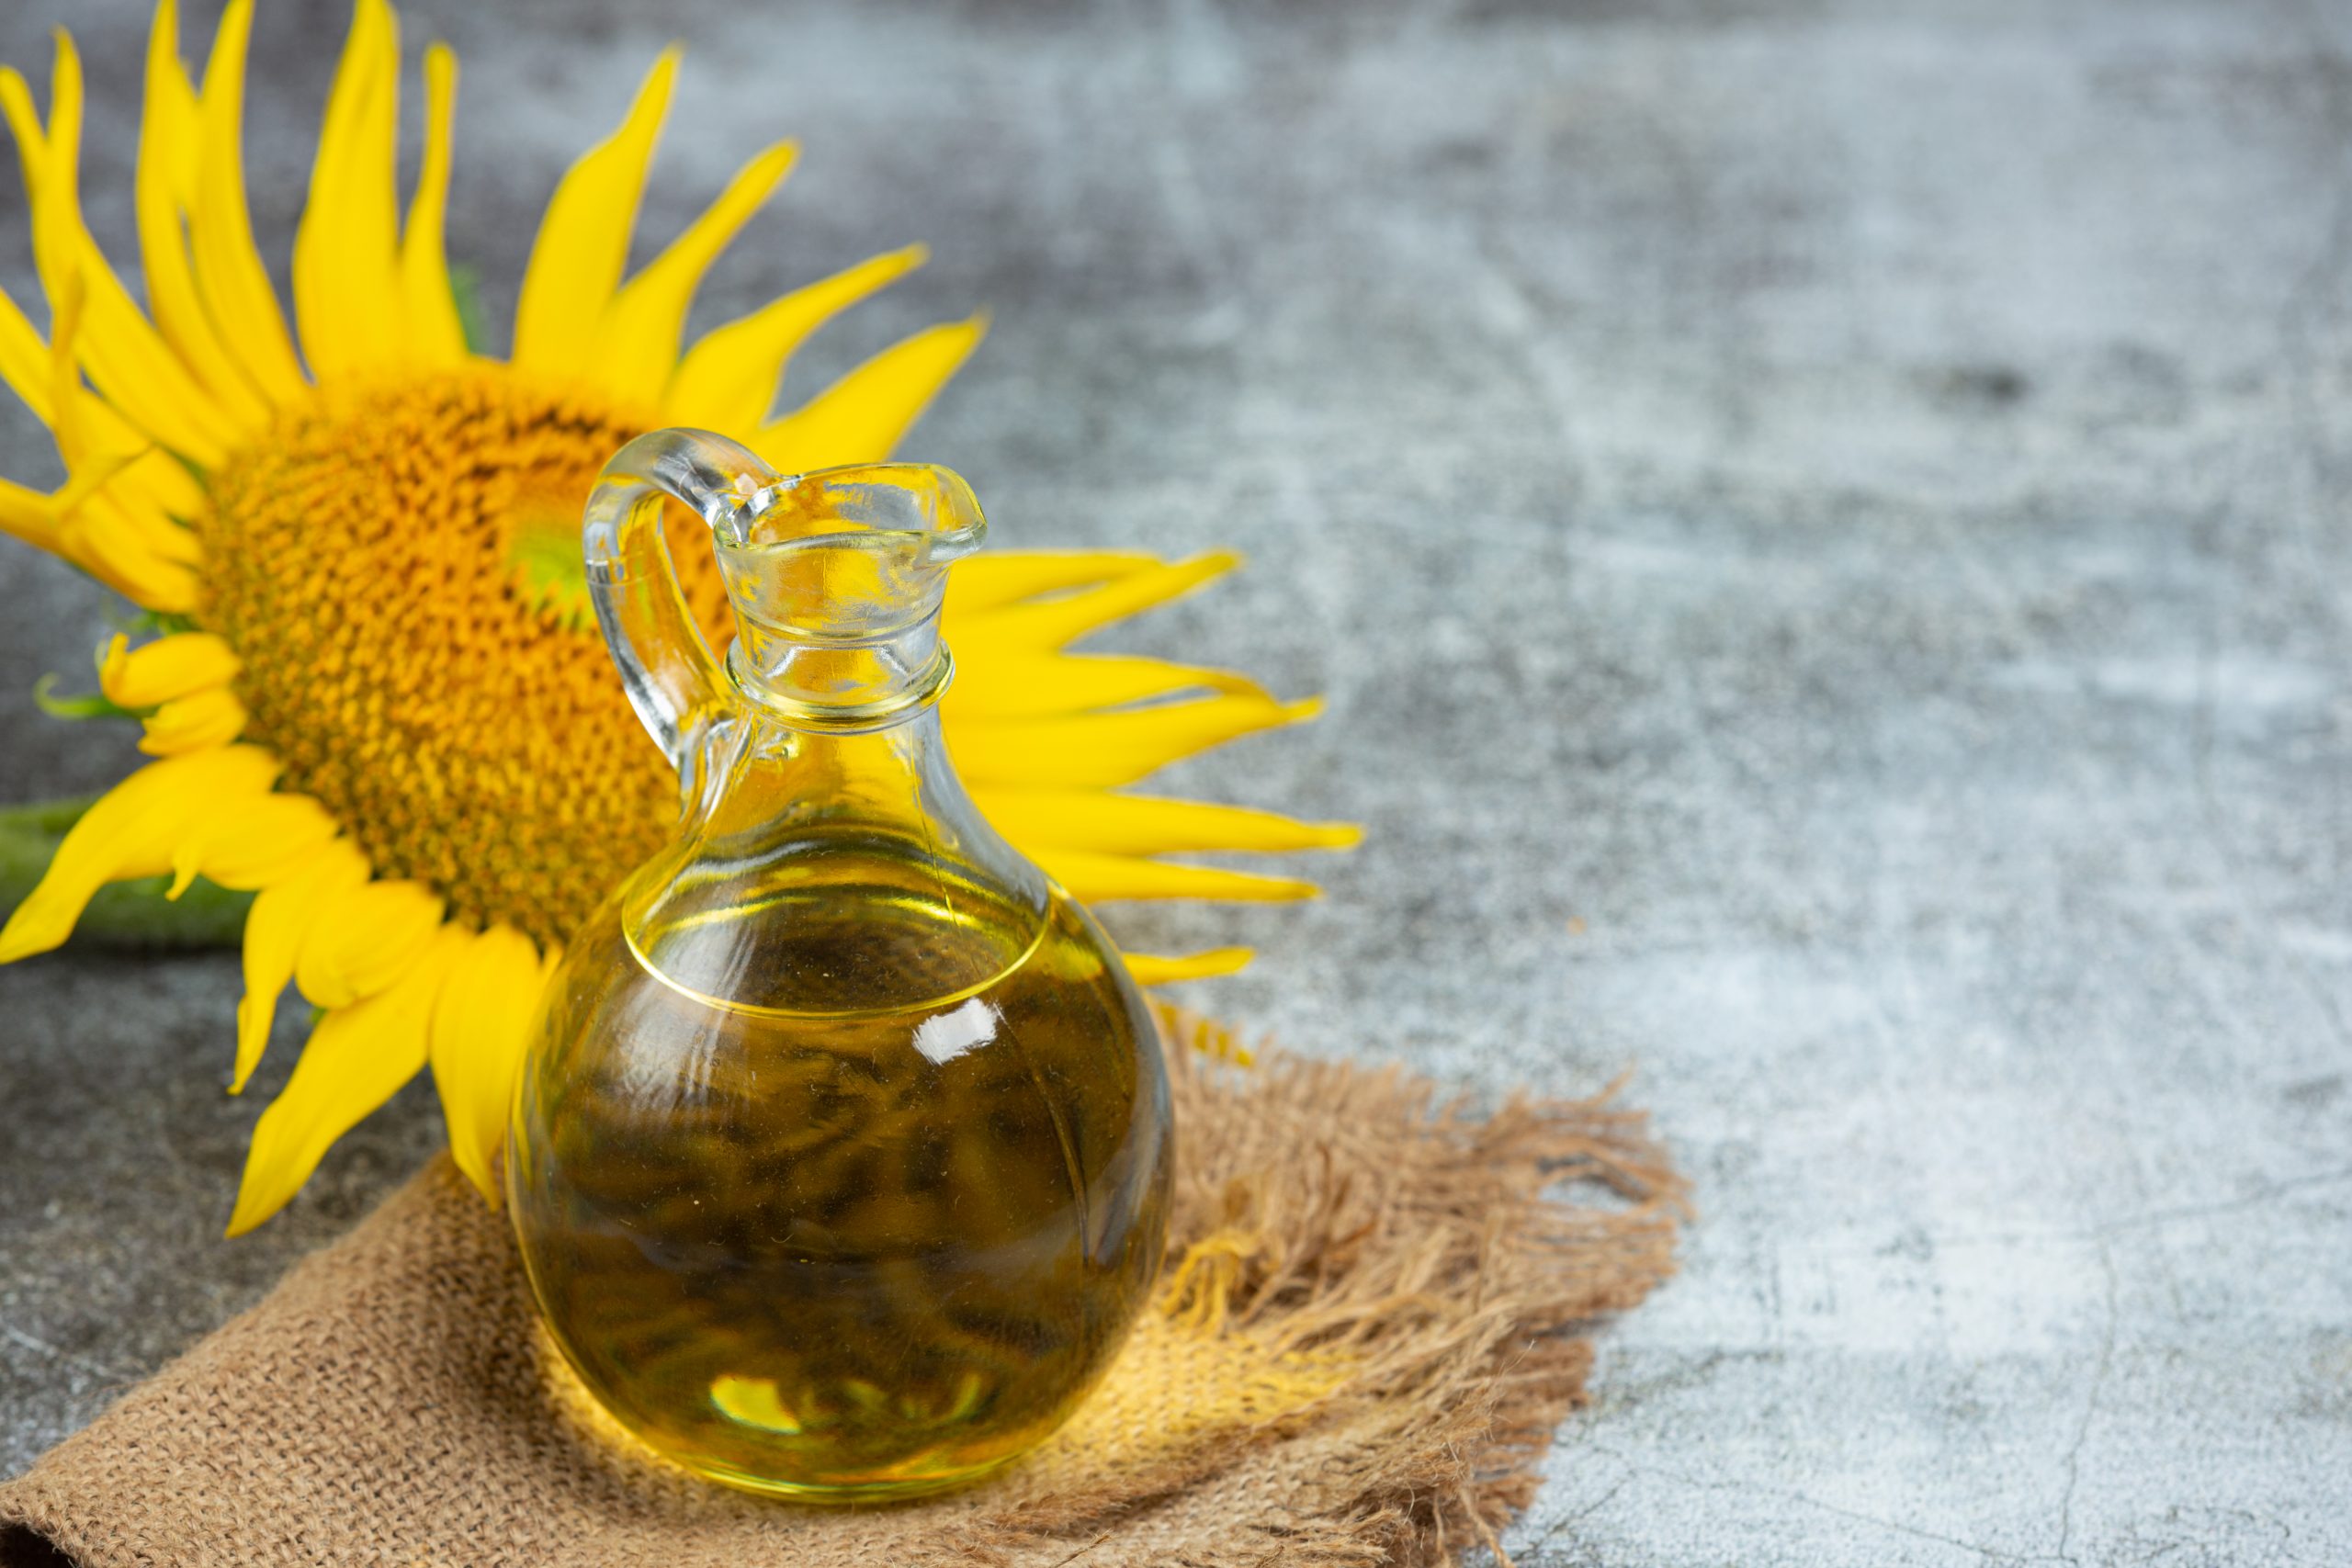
(398, 568)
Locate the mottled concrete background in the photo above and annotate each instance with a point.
(1824, 525)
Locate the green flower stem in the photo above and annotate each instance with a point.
(124, 914)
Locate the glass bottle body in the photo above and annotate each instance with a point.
(839, 1163)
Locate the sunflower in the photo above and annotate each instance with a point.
(362, 663)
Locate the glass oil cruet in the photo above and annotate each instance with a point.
(840, 1161)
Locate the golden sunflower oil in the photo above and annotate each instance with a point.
(872, 1242)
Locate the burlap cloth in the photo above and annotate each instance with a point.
(1363, 1339)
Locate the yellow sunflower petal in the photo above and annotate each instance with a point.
(168, 540)
(194, 723)
(637, 345)
(253, 843)
(1092, 878)
(1022, 685)
(987, 582)
(1189, 1031)
(131, 365)
(108, 523)
(81, 442)
(102, 481)
(434, 337)
(133, 572)
(37, 374)
(1051, 623)
(182, 149)
(168, 138)
(27, 515)
(24, 357)
(113, 546)
(1106, 749)
(1138, 825)
(356, 1058)
(583, 241)
(171, 667)
(481, 1026)
(728, 380)
(131, 832)
(159, 482)
(1150, 970)
(346, 249)
(861, 417)
(229, 271)
(283, 916)
(364, 938)
(25, 127)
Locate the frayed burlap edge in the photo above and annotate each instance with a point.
(1445, 1248)
(1369, 1330)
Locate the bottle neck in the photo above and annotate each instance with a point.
(775, 774)
(839, 686)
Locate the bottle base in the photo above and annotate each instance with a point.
(851, 1493)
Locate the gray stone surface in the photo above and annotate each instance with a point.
(1824, 525)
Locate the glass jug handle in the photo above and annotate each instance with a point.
(672, 677)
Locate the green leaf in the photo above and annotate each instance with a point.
(162, 623)
(87, 705)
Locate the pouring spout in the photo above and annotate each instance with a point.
(836, 579)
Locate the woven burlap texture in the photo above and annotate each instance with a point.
(1365, 1335)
